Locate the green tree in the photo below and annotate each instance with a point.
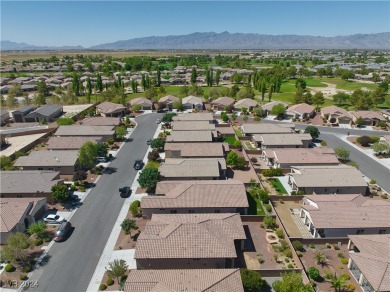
(134, 85)
(318, 98)
(359, 122)
(341, 98)
(278, 110)
(337, 283)
(217, 76)
(380, 147)
(42, 88)
(245, 118)
(128, 225)
(99, 83)
(15, 90)
(314, 273)
(158, 84)
(251, 280)
(136, 108)
(6, 163)
(300, 83)
(269, 222)
(263, 89)
(60, 193)
(89, 87)
(157, 143)
(240, 163)
(224, 117)
(233, 116)
(76, 84)
(15, 251)
(231, 158)
(39, 99)
(342, 153)
(313, 131)
(135, 208)
(37, 228)
(101, 149)
(234, 90)
(320, 258)
(178, 105)
(117, 269)
(148, 178)
(291, 282)
(87, 154)
(167, 118)
(120, 132)
(194, 75)
(270, 91)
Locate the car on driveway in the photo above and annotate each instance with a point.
(62, 231)
(125, 192)
(148, 141)
(54, 219)
(138, 164)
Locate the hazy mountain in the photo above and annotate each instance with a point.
(226, 40)
(12, 46)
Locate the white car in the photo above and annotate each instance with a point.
(54, 219)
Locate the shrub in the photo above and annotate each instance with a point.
(336, 247)
(279, 233)
(384, 196)
(9, 268)
(268, 208)
(346, 276)
(251, 280)
(290, 266)
(65, 121)
(328, 274)
(109, 282)
(344, 261)
(340, 255)
(299, 254)
(23, 277)
(313, 273)
(373, 182)
(135, 208)
(281, 201)
(254, 159)
(102, 287)
(350, 287)
(261, 225)
(283, 245)
(269, 222)
(82, 188)
(38, 242)
(79, 175)
(341, 267)
(287, 260)
(110, 141)
(47, 239)
(328, 245)
(264, 196)
(154, 155)
(27, 269)
(260, 259)
(272, 172)
(288, 253)
(297, 245)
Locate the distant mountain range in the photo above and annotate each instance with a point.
(226, 40)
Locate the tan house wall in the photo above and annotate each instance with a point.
(68, 170)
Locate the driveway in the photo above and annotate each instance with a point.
(71, 264)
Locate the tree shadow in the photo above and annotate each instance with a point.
(110, 170)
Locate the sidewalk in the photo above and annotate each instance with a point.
(109, 254)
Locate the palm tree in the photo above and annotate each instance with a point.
(320, 258)
(337, 283)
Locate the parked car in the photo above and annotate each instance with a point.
(62, 231)
(54, 219)
(125, 192)
(138, 164)
(148, 141)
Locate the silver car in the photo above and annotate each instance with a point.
(54, 219)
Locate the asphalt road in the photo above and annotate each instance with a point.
(71, 264)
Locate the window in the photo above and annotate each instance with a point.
(191, 211)
(326, 190)
(382, 231)
(162, 209)
(360, 231)
(338, 190)
(217, 211)
(173, 211)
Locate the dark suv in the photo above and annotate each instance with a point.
(125, 192)
(62, 231)
(138, 164)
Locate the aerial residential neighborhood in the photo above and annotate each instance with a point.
(204, 161)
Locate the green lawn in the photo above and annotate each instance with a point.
(238, 132)
(152, 164)
(315, 83)
(255, 207)
(229, 140)
(348, 85)
(278, 186)
(249, 145)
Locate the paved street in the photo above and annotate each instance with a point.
(72, 263)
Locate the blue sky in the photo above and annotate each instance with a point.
(90, 23)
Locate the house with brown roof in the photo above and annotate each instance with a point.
(369, 261)
(193, 169)
(340, 179)
(248, 103)
(335, 115)
(101, 121)
(290, 140)
(301, 111)
(221, 103)
(105, 132)
(195, 150)
(28, 183)
(183, 197)
(145, 103)
(192, 126)
(190, 136)
(199, 280)
(343, 215)
(167, 101)
(190, 241)
(285, 158)
(267, 108)
(70, 143)
(63, 161)
(260, 128)
(4, 117)
(370, 118)
(194, 117)
(192, 102)
(16, 214)
(109, 109)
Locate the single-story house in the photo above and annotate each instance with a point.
(225, 130)
(290, 140)
(385, 113)
(16, 214)
(190, 136)
(193, 169)
(109, 109)
(63, 161)
(285, 158)
(267, 108)
(45, 113)
(69, 142)
(202, 280)
(248, 103)
(101, 121)
(194, 117)
(195, 150)
(335, 115)
(146, 104)
(192, 102)
(221, 103)
(369, 261)
(301, 111)
(19, 114)
(336, 179)
(4, 117)
(370, 118)
(183, 197)
(260, 128)
(192, 126)
(343, 215)
(106, 132)
(28, 183)
(190, 241)
(167, 101)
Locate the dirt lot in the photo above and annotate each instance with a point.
(125, 241)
